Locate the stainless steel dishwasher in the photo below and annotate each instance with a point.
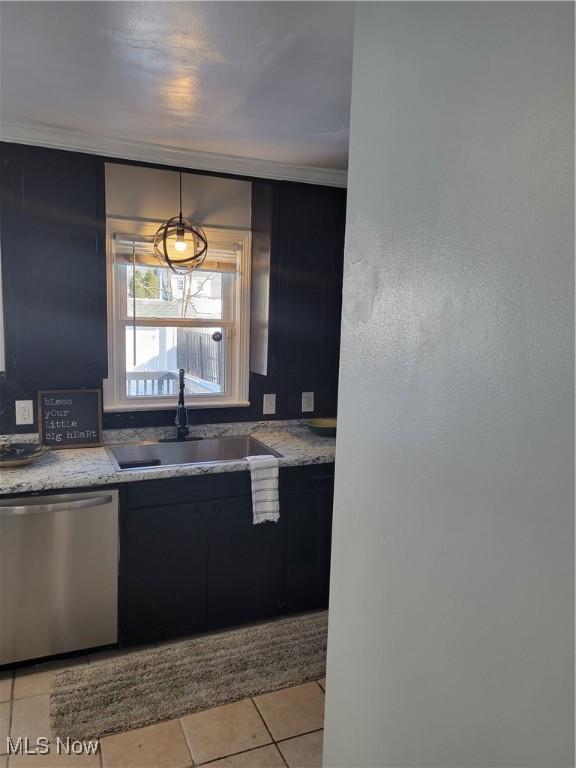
(58, 574)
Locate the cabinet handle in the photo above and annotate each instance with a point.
(64, 506)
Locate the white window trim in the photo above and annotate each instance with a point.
(238, 365)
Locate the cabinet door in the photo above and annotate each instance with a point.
(53, 265)
(308, 514)
(245, 564)
(163, 572)
(306, 290)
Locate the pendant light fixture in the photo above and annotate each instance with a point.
(180, 243)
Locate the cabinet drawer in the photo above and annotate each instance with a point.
(178, 490)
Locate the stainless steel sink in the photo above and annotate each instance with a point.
(205, 451)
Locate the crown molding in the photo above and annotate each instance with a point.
(147, 152)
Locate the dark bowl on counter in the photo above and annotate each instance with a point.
(322, 427)
(20, 454)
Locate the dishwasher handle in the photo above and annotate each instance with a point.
(63, 506)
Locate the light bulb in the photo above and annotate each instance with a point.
(180, 243)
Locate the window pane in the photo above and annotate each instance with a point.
(161, 352)
(162, 293)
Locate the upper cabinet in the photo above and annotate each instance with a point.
(52, 231)
(298, 254)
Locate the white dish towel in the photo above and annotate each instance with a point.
(264, 477)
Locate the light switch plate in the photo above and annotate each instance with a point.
(269, 405)
(24, 412)
(307, 402)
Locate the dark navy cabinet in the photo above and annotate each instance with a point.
(52, 228)
(163, 572)
(307, 496)
(245, 565)
(191, 560)
(306, 281)
(298, 256)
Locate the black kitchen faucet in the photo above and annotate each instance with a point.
(182, 428)
(181, 420)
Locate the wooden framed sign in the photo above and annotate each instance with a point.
(70, 418)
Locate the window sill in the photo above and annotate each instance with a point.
(171, 405)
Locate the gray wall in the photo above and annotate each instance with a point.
(451, 615)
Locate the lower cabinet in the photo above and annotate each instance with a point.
(308, 540)
(191, 560)
(245, 565)
(162, 572)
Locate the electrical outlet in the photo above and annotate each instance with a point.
(269, 405)
(24, 412)
(307, 402)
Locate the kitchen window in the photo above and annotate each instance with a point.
(161, 321)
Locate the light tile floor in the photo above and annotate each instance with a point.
(273, 730)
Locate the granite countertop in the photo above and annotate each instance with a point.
(83, 467)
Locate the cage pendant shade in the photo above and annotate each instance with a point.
(180, 243)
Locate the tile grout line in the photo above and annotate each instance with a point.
(242, 752)
(188, 746)
(291, 738)
(269, 731)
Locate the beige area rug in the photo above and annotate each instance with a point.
(144, 687)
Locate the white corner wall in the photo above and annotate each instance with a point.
(451, 631)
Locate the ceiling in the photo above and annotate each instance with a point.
(264, 80)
